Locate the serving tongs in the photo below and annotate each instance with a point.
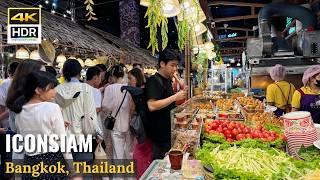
(194, 113)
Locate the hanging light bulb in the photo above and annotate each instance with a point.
(35, 55)
(22, 53)
(61, 58)
(81, 62)
(88, 62)
(145, 3)
(208, 45)
(192, 13)
(170, 8)
(199, 29)
(238, 64)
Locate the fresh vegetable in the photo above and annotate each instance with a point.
(235, 131)
(250, 163)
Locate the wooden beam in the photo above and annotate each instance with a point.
(234, 28)
(233, 54)
(234, 18)
(228, 3)
(235, 38)
(233, 48)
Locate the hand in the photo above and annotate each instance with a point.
(99, 140)
(180, 95)
(67, 124)
(3, 130)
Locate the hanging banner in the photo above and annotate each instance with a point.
(24, 26)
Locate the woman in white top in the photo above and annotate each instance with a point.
(120, 134)
(37, 115)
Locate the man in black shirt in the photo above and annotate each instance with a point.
(161, 100)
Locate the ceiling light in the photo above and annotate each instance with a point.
(232, 60)
(72, 19)
(61, 58)
(53, 11)
(238, 64)
(68, 11)
(228, 65)
(54, 4)
(40, 6)
(64, 15)
(199, 29)
(145, 3)
(35, 55)
(170, 8)
(22, 53)
(47, 2)
(11, 55)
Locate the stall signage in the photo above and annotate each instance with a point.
(24, 26)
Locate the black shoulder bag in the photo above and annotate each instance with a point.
(110, 120)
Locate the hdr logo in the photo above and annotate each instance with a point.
(24, 26)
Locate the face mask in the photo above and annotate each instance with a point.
(318, 83)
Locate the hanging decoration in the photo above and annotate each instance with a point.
(90, 14)
(35, 55)
(155, 20)
(22, 53)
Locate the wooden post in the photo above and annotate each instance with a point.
(187, 58)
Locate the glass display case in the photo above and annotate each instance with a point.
(219, 78)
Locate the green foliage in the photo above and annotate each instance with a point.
(155, 20)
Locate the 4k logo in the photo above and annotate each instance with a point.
(24, 26)
(24, 15)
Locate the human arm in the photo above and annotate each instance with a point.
(296, 98)
(270, 96)
(180, 81)
(155, 105)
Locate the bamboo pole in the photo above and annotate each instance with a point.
(188, 66)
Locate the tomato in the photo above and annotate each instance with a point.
(265, 134)
(240, 130)
(235, 132)
(261, 135)
(226, 131)
(230, 126)
(225, 128)
(242, 126)
(255, 134)
(228, 136)
(212, 131)
(229, 140)
(248, 136)
(283, 137)
(219, 129)
(270, 138)
(214, 126)
(246, 130)
(240, 136)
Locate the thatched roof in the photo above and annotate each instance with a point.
(69, 33)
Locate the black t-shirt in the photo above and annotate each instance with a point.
(159, 123)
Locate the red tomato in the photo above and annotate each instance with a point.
(248, 136)
(261, 135)
(246, 130)
(242, 126)
(240, 137)
(270, 138)
(229, 136)
(214, 126)
(230, 140)
(235, 132)
(240, 130)
(225, 128)
(226, 131)
(219, 129)
(230, 126)
(259, 127)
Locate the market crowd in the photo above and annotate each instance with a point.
(127, 112)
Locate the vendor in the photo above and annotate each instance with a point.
(307, 97)
(280, 92)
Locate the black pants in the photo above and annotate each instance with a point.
(5, 157)
(159, 149)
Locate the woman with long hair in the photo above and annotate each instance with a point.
(113, 96)
(36, 100)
